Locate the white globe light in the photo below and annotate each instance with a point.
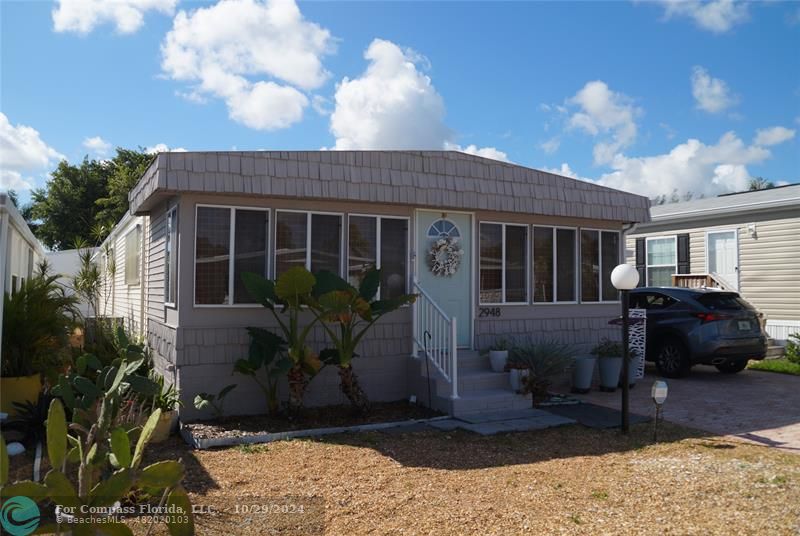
(624, 277)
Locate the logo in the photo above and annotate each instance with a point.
(19, 516)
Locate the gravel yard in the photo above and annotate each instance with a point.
(569, 480)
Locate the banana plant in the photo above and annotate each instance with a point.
(347, 314)
(287, 298)
(107, 471)
(267, 351)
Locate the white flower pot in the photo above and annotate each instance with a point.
(582, 374)
(498, 360)
(610, 368)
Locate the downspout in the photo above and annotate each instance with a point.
(5, 221)
(625, 228)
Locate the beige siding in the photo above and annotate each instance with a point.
(769, 271)
(122, 300)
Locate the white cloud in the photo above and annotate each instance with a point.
(163, 148)
(689, 167)
(550, 146)
(485, 152)
(717, 16)
(220, 48)
(22, 152)
(82, 16)
(321, 105)
(773, 135)
(97, 145)
(605, 113)
(711, 94)
(394, 105)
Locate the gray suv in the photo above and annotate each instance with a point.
(688, 327)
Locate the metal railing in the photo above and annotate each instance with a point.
(441, 348)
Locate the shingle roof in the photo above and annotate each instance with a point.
(440, 179)
(770, 199)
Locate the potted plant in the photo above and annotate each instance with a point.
(167, 400)
(37, 321)
(517, 373)
(609, 355)
(498, 354)
(582, 373)
(541, 361)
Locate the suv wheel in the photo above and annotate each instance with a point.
(732, 367)
(671, 359)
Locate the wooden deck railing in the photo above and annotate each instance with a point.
(699, 281)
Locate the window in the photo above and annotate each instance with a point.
(133, 255)
(217, 229)
(308, 239)
(503, 263)
(380, 242)
(30, 263)
(171, 258)
(599, 256)
(662, 261)
(651, 301)
(554, 265)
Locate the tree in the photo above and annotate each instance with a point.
(759, 183)
(80, 200)
(25, 210)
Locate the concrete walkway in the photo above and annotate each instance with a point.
(763, 407)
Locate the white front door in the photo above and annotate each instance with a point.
(450, 288)
(723, 256)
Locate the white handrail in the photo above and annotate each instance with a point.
(436, 335)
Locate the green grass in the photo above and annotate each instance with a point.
(782, 366)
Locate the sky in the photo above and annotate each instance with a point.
(650, 97)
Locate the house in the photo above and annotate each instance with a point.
(747, 242)
(492, 249)
(20, 251)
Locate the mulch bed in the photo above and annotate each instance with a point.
(311, 418)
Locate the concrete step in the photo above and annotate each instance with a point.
(470, 380)
(489, 400)
(471, 360)
(775, 352)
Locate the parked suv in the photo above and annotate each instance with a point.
(687, 327)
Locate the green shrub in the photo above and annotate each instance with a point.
(543, 360)
(792, 349)
(608, 348)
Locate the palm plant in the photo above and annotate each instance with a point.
(543, 360)
(37, 321)
(353, 311)
(287, 298)
(267, 351)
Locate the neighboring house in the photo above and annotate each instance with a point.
(66, 263)
(748, 242)
(20, 251)
(120, 259)
(530, 255)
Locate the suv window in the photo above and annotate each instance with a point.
(723, 301)
(652, 301)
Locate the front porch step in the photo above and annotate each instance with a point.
(470, 380)
(775, 352)
(489, 400)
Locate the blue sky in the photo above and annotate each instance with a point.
(648, 97)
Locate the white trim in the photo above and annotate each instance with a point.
(647, 266)
(735, 231)
(600, 232)
(309, 213)
(576, 266)
(473, 260)
(231, 256)
(503, 226)
(379, 240)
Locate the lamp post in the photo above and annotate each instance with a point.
(624, 278)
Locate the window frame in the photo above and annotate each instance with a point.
(379, 237)
(138, 230)
(342, 242)
(599, 263)
(231, 255)
(647, 264)
(528, 270)
(577, 265)
(172, 260)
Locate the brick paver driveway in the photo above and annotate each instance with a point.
(763, 407)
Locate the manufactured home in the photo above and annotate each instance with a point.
(747, 242)
(492, 249)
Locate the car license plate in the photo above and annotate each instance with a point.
(744, 325)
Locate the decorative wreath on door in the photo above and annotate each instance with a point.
(444, 255)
